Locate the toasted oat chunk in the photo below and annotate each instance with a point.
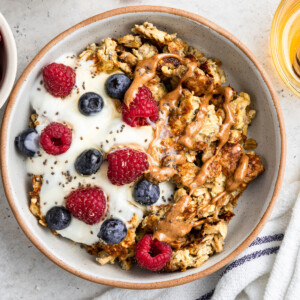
(34, 206)
(185, 112)
(186, 174)
(198, 83)
(126, 62)
(125, 68)
(150, 32)
(218, 185)
(170, 71)
(130, 41)
(239, 107)
(107, 56)
(104, 258)
(177, 46)
(212, 68)
(255, 167)
(229, 158)
(235, 137)
(170, 67)
(155, 214)
(200, 249)
(157, 88)
(89, 53)
(145, 51)
(219, 228)
(128, 58)
(210, 128)
(197, 53)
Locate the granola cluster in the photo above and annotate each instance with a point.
(209, 218)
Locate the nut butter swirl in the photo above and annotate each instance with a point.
(145, 71)
(171, 229)
(223, 136)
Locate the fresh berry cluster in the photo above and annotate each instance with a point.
(143, 110)
(152, 254)
(27, 142)
(59, 79)
(126, 165)
(56, 138)
(112, 231)
(90, 104)
(89, 162)
(87, 205)
(117, 85)
(146, 192)
(58, 218)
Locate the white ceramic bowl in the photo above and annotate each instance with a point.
(244, 73)
(8, 60)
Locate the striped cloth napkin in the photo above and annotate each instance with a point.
(268, 269)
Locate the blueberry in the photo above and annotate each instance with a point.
(146, 192)
(116, 86)
(58, 217)
(90, 104)
(112, 231)
(28, 142)
(88, 162)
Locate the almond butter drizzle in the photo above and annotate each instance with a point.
(145, 71)
(223, 136)
(193, 128)
(171, 229)
(170, 233)
(239, 174)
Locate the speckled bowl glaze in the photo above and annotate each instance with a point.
(244, 73)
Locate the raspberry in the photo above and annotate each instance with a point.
(142, 107)
(56, 138)
(59, 79)
(87, 205)
(152, 254)
(126, 165)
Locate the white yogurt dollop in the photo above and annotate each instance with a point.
(101, 131)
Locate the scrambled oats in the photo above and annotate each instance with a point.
(209, 218)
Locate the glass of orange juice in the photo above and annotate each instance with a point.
(285, 43)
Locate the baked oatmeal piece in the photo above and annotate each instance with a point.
(197, 143)
(149, 31)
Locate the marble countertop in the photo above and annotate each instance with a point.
(25, 273)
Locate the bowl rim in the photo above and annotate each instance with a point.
(160, 284)
(12, 58)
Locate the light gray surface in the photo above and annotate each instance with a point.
(241, 74)
(24, 271)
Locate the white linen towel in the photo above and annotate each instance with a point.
(268, 269)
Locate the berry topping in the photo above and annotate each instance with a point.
(58, 218)
(56, 138)
(146, 192)
(88, 162)
(152, 254)
(112, 231)
(59, 79)
(28, 142)
(126, 165)
(142, 110)
(116, 86)
(87, 205)
(90, 104)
